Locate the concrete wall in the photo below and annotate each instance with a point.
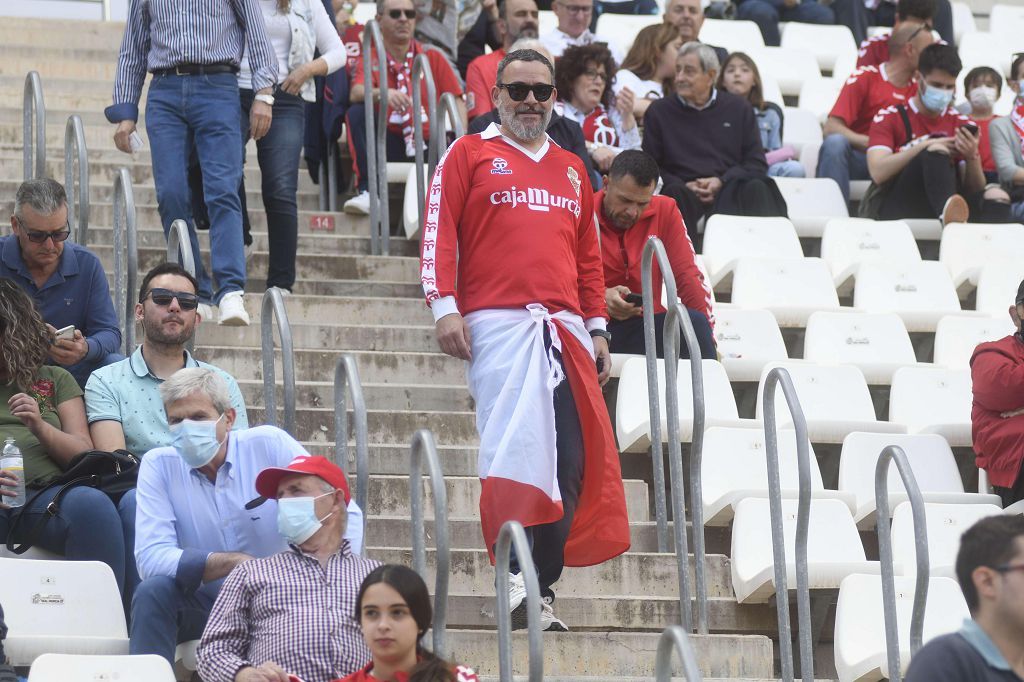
(63, 9)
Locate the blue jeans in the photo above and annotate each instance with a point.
(163, 615)
(768, 13)
(628, 336)
(355, 123)
(278, 154)
(787, 169)
(200, 111)
(841, 162)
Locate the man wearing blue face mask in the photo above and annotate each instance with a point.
(192, 524)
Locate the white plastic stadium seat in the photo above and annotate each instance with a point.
(364, 11)
(791, 289)
(410, 211)
(826, 42)
(733, 35)
(71, 607)
(834, 549)
(956, 337)
(933, 400)
(966, 247)
(68, 668)
(621, 29)
(819, 96)
(945, 524)
(963, 20)
(546, 21)
(802, 132)
(919, 292)
(850, 242)
(860, 651)
(997, 285)
(846, 64)
(632, 414)
(728, 238)
(812, 202)
(734, 467)
(876, 343)
(747, 341)
(185, 654)
(790, 67)
(834, 398)
(1006, 20)
(931, 460)
(989, 49)
(772, 91)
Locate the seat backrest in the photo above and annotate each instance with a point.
(908, 286)
(811, 202)
(826, 42)
(867, 340)
(802, 128)
(791, 67)
(621, 29)
(1004, 21)
(734, 35)
(923, 397)
(967, 247)
(945, 523)
(737, 459)
(71, 668)
(747, 340)
(956, 337)
(986, 48)
(963, 20)
(826, 392)
(819, 96)
(728, 237)
(849, 242)
(998, 283)
(778, 284)
(771, 90)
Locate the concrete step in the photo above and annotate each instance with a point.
(80, 33)
(58, 68)
(393, 458)
(385, 426)
(326, 335)
(433, 397)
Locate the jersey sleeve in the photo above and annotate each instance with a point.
(690, 285)
(589, 267)
(444, 77)
(883, 133)
(847, 106)
(357, 71)
(478, 95)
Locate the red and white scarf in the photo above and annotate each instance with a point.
(598, 127)
(399, 122)
(1017, 117)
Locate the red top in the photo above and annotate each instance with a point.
(874, 51)
(352, 39)
(622, 252)
(513, 227)
(462, 674)
(988, 163)
(866, 91)
(997, 371)
(889, 132)
(480, 78)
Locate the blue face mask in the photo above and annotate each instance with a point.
(296, 518)
(935, 99)
(196, 441)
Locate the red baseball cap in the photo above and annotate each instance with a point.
(270, 478)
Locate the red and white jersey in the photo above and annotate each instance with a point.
(507, 227)
(867, 91)
(889, 132)
(874, 51)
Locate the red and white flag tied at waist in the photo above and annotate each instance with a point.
(512, 378)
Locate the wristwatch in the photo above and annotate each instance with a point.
(265, 98)
(603, 333)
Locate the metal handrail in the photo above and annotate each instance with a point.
(675, 637)
(438, 136)
(346, 382)
(512, 534)
(421, 72)
(179, 246)
(274, 310)
(895, 454)
(126, 256)
(376, 154)
(677, 317)
(327, 199)
(779, 376)
(654, 248)
(76, 149)
(423, 446)
(34, 110)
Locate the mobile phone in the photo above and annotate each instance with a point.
(67, 332)
(135, 141)
(635, 299)
(972, 128)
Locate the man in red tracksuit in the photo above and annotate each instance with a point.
(997, 370)
(628, 214)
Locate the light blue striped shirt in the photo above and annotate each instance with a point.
(162, 34)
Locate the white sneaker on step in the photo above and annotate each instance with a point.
(549, 622)
(232, 310)
(517, 600)
(359, 204)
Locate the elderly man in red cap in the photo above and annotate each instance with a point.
(291, 613)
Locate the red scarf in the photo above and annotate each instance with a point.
(400, 123)
(1017, 117)
(598, 127)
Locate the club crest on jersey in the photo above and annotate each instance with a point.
(574, 178)
(500, 167)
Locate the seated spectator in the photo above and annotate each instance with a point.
(843, 155)
(397, 20)
(481, 35)
(261, 625)
(519, 19)
(983, 86)
(650, 66)
(41, 409)
(768, 13)
(573, 27)
(624, 7)
(990, 645)
(628, 214)
(66, 281)
(718, 166)
(193, 524)
(394, 612)
(741, 77)
(583, 82)
(688, 17)
(938, 14)
(874, 51)
(123, 399)
(924, 156)
(1007, 141)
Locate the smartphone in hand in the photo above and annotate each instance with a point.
(635, 299)
(972, 128)
(67, 333)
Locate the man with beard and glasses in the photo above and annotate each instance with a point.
(511, 219)
(122, 400)
(519, 19)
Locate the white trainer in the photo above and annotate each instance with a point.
(517, 600)
(549, 622)
(206, 311)
(359, 204)
(232, 310)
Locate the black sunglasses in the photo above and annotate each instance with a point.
(40, 236)
(519, 91)
(163, 298)
(396, 14)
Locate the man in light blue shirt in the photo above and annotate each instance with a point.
(192, 524)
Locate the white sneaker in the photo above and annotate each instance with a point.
(206, 312)
(517, 600)
(549, 622)
(359, 204)
(232, 310)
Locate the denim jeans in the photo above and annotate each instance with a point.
(163, 615)
(278, 155)
(628, 336)
(841, 162)
(200, 111)
(768, 13)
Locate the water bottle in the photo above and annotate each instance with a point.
(12, 461)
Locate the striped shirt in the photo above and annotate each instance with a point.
(289, 609)
(161, 34)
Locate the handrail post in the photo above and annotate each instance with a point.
(332, 177)
(780, 376)
(346, 381)
(77, 184)
(450, 111)
(274, 310)
(376, 135)
(179, 250)
(512, 534)
(421, 72)
(423, 446)
(322, 198)
(675, 637)
(126, 256)
(895, 454)
(34, 111)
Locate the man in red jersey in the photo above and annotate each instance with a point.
(875, 50)
(510, 218)
(519, 19)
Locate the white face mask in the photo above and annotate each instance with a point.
(296, 518)
(983, 96)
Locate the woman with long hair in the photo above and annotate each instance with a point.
(650, 67)
(393, 608)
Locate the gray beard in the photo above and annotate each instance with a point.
(520, 129)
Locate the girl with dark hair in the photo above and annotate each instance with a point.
(650, 67)
(393, 608)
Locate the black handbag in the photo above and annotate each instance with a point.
(114, 473)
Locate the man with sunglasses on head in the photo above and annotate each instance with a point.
(574, 17)
(66, 281)
(511, 219)
(122, 400)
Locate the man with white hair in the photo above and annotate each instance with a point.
(574, 17)
(195, 515)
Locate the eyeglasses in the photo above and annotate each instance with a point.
(163, 298)
(1008, 568)
(922, 27)
(594, 75)
(396, 14)
(520, 91)
(40, 236)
